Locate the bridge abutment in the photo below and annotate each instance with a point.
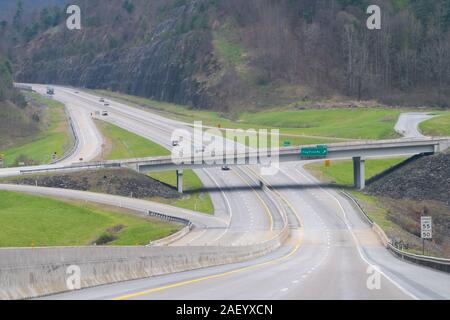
(180, 181)
(359, 172)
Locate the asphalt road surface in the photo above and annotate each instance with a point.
(408, 124)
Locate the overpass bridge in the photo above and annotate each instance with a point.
(358, 151)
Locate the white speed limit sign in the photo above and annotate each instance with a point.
(426, 227)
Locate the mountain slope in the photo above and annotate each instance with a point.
(243, 54)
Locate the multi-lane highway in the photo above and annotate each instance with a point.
(334, 255)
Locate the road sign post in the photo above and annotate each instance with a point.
(2, 161)
(426, 226)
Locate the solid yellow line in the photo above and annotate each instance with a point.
(260, 199)
(221, 275)
(216, 276)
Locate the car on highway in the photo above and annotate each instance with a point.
(50, 91)
(175, 143)
(106, 104)
(105, 113)
(225, 168)
(102, 100)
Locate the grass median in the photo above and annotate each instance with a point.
(299, 126)
(28, 221)
(122, 144)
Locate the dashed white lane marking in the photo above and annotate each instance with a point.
(295, 281)
(284, 289)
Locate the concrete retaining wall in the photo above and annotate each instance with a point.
(27, 273)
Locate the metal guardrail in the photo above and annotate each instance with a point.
(166, 217)
(431, 262)
(74, 135)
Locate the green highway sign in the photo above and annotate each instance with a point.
(287, 143)
(314, 152)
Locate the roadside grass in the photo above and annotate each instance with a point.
(28, 220)
(438, 126)
(341, 172)
(326, 125)
(374, 210)
(123, 144)
(193, 199)
(54, 136)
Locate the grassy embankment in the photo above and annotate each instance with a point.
(438, 126)
(37, 221)
(298, 126)
(122, 144)
(54, 136)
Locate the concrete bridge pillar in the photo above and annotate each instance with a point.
(180, 181)
(359, 173)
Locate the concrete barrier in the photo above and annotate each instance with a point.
(28, 273)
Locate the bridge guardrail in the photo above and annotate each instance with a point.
(431, 262)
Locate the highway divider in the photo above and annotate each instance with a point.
(431, 262)
(33, 272)
(28, 273)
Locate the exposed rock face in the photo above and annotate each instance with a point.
(427, 178)
(165, 68)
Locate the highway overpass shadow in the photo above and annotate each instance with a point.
(276, 186)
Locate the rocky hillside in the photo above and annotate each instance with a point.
(419, 188)
(243, 53)
(427, 178)
(117, 182)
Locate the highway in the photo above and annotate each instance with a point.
(249, 216)
(332, 256)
